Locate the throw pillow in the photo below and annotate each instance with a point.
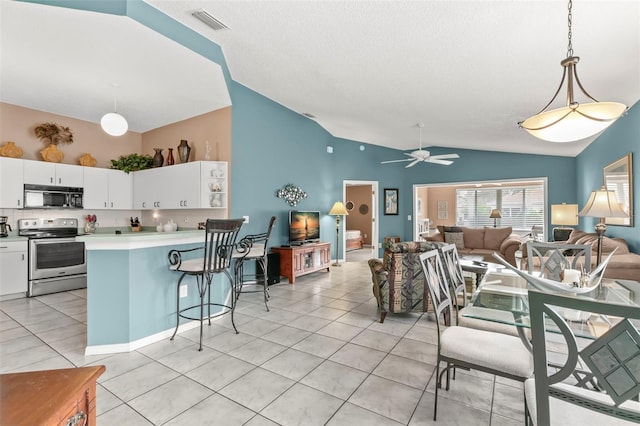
(456, 238)
(493, 237)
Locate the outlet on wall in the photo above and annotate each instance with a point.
(183, 290)
(246, 219)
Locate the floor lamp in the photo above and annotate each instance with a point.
(338, 210)
(601, 204)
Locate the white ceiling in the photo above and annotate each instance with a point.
(66, 61)
(369, 71)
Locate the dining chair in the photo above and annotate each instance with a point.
(613, 358)
(550, 259)
(457, 286)
(467, 348)
(219, 245)
(258, 253)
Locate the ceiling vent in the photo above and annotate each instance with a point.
(208, 19)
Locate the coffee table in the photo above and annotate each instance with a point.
(477, 266)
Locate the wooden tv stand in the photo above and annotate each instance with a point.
(300, 260)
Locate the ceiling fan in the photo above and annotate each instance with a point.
(424, 155)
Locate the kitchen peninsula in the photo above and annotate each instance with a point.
(131, 293)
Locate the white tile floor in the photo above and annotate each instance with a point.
(319, 357)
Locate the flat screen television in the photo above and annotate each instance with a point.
(304, 227)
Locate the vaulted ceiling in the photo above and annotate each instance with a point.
(369, 71)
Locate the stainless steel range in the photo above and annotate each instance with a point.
(57, 262)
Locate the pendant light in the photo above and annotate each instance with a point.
(576, 120)
(113, 123)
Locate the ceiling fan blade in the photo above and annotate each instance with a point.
(443, 156)
(437, 161)
(413, 163)
(395, 161)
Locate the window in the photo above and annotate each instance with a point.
(521, 207)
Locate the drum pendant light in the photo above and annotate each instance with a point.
(576, 120)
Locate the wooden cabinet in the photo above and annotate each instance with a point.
(50, 397)
(13, 268)
(44, 173)
(12, 188)
(107, 189)
(301, 260)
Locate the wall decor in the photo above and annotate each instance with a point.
(443, 210)
(349, 205)
(291, 194)
(618, 177)
(391, 201)
(363, 209)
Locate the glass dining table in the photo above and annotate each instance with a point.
(502, 297)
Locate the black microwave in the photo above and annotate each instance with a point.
(52, 197)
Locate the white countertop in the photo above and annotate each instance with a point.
(138, 240)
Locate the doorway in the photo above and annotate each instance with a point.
(362, 222)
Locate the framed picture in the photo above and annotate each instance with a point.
(391, 201)
(443, 210)
(618, 177)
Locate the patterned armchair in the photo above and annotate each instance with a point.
(398, 280)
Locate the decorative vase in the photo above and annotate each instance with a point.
(11, 150)
(87, 160)
(52, 154)
(184, 150)
(170, 160)
(158, 159)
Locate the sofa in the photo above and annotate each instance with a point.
(623, 264)
(398, 279)
(482, 242)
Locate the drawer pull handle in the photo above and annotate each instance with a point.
(79, 419)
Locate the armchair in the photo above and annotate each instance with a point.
(398, 280)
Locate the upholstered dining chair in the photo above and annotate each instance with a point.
(219, 245)
(467, 348)
(613, 358)
(249, 282)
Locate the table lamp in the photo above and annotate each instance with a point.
(338, 210)
(602, 203)
(495, 215)
(564, 215)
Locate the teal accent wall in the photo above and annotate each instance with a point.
(621, 138)
(273, 146)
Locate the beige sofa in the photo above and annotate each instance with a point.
(623, 264)
(480, 241)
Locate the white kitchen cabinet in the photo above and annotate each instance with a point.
(120, 189)
(196, 185)
(107, 189)
(13, 267)
(45, 173)
(12, 188)
(215, 188)
(148, 186)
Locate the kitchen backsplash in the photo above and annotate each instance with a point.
(117, 218)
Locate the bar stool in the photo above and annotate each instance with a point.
(219, 246)
(258, 253)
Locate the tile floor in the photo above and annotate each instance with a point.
(319, 357)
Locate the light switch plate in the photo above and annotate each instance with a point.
(183, 290)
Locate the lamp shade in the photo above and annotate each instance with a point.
(495, 214)
(114, 124)
(564, 214)
(602, 203)
(338, 209)
(573, 122)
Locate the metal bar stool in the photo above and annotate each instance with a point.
(219, 246)
(258, 252)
